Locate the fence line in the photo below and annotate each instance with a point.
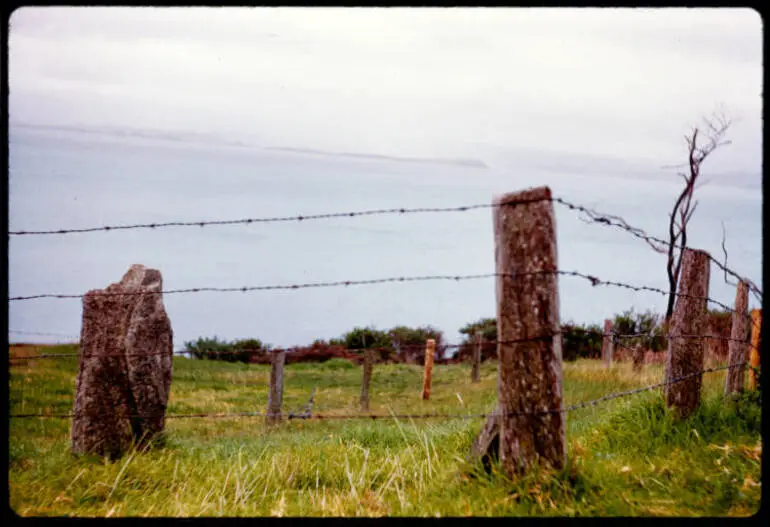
(306, 415)
(594, 216)
(405, 347)
(344, 283)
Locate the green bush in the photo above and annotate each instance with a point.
(214, 349)
(363, 338)
(629, 322)
(409, 343)
(581, 342)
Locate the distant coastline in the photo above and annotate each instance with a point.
(198, 137)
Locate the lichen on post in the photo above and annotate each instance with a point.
(124, 375)
(530, 370)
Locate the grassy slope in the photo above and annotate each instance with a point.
(626, 456)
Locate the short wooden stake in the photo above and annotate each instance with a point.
(475, 371)
(638, 357)
(738, 346)
(529, 345)
(275, 396)
(430, 349)
(685, 352)
(756, 327)
(367, 377)
(608, 343)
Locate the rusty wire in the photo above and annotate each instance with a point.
(307, 416)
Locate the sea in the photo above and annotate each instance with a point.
(69, 178)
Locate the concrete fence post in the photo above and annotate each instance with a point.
(531, 424)
(275, 396)
(685, 350)
(738, 346)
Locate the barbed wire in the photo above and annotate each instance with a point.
(345, 283)
(208, 353)
(615, 221)
(594, 216)
(306, 416)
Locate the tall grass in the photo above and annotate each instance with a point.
(625, 457)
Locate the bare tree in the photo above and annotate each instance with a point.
(701, 142)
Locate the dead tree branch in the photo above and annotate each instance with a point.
(701, 142)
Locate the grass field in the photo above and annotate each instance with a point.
(625, 456)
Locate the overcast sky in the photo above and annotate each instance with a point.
(621, 83)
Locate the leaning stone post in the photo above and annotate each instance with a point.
(124, 375)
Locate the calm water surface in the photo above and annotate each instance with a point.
(64, 179)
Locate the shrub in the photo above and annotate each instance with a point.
(208, 348)
(212, 348)
(580, 342)
(363, 338)
(629, 322)
(409, 343)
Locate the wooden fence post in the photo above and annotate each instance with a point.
(275, 396)
(475, 373)
(608, 343)
(530, 371)
(638, 357)
(685, 351)
(367, 368)
(756, 327)
(738, 347)
(430, 348)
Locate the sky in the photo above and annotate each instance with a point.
(601, 83)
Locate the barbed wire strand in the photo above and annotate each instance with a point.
(570, 408)
(345, 283)
(595, 216)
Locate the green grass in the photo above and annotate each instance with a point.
(626, 457)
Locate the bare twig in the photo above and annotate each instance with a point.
(724, 250)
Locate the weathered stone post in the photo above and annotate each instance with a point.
(529, 344)
(430, 349)
(608, 343)
(738, 346)
(275, 395)
(367, 377)
(756, 327)
(685, 351)
(475, 370)
(124, 376)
